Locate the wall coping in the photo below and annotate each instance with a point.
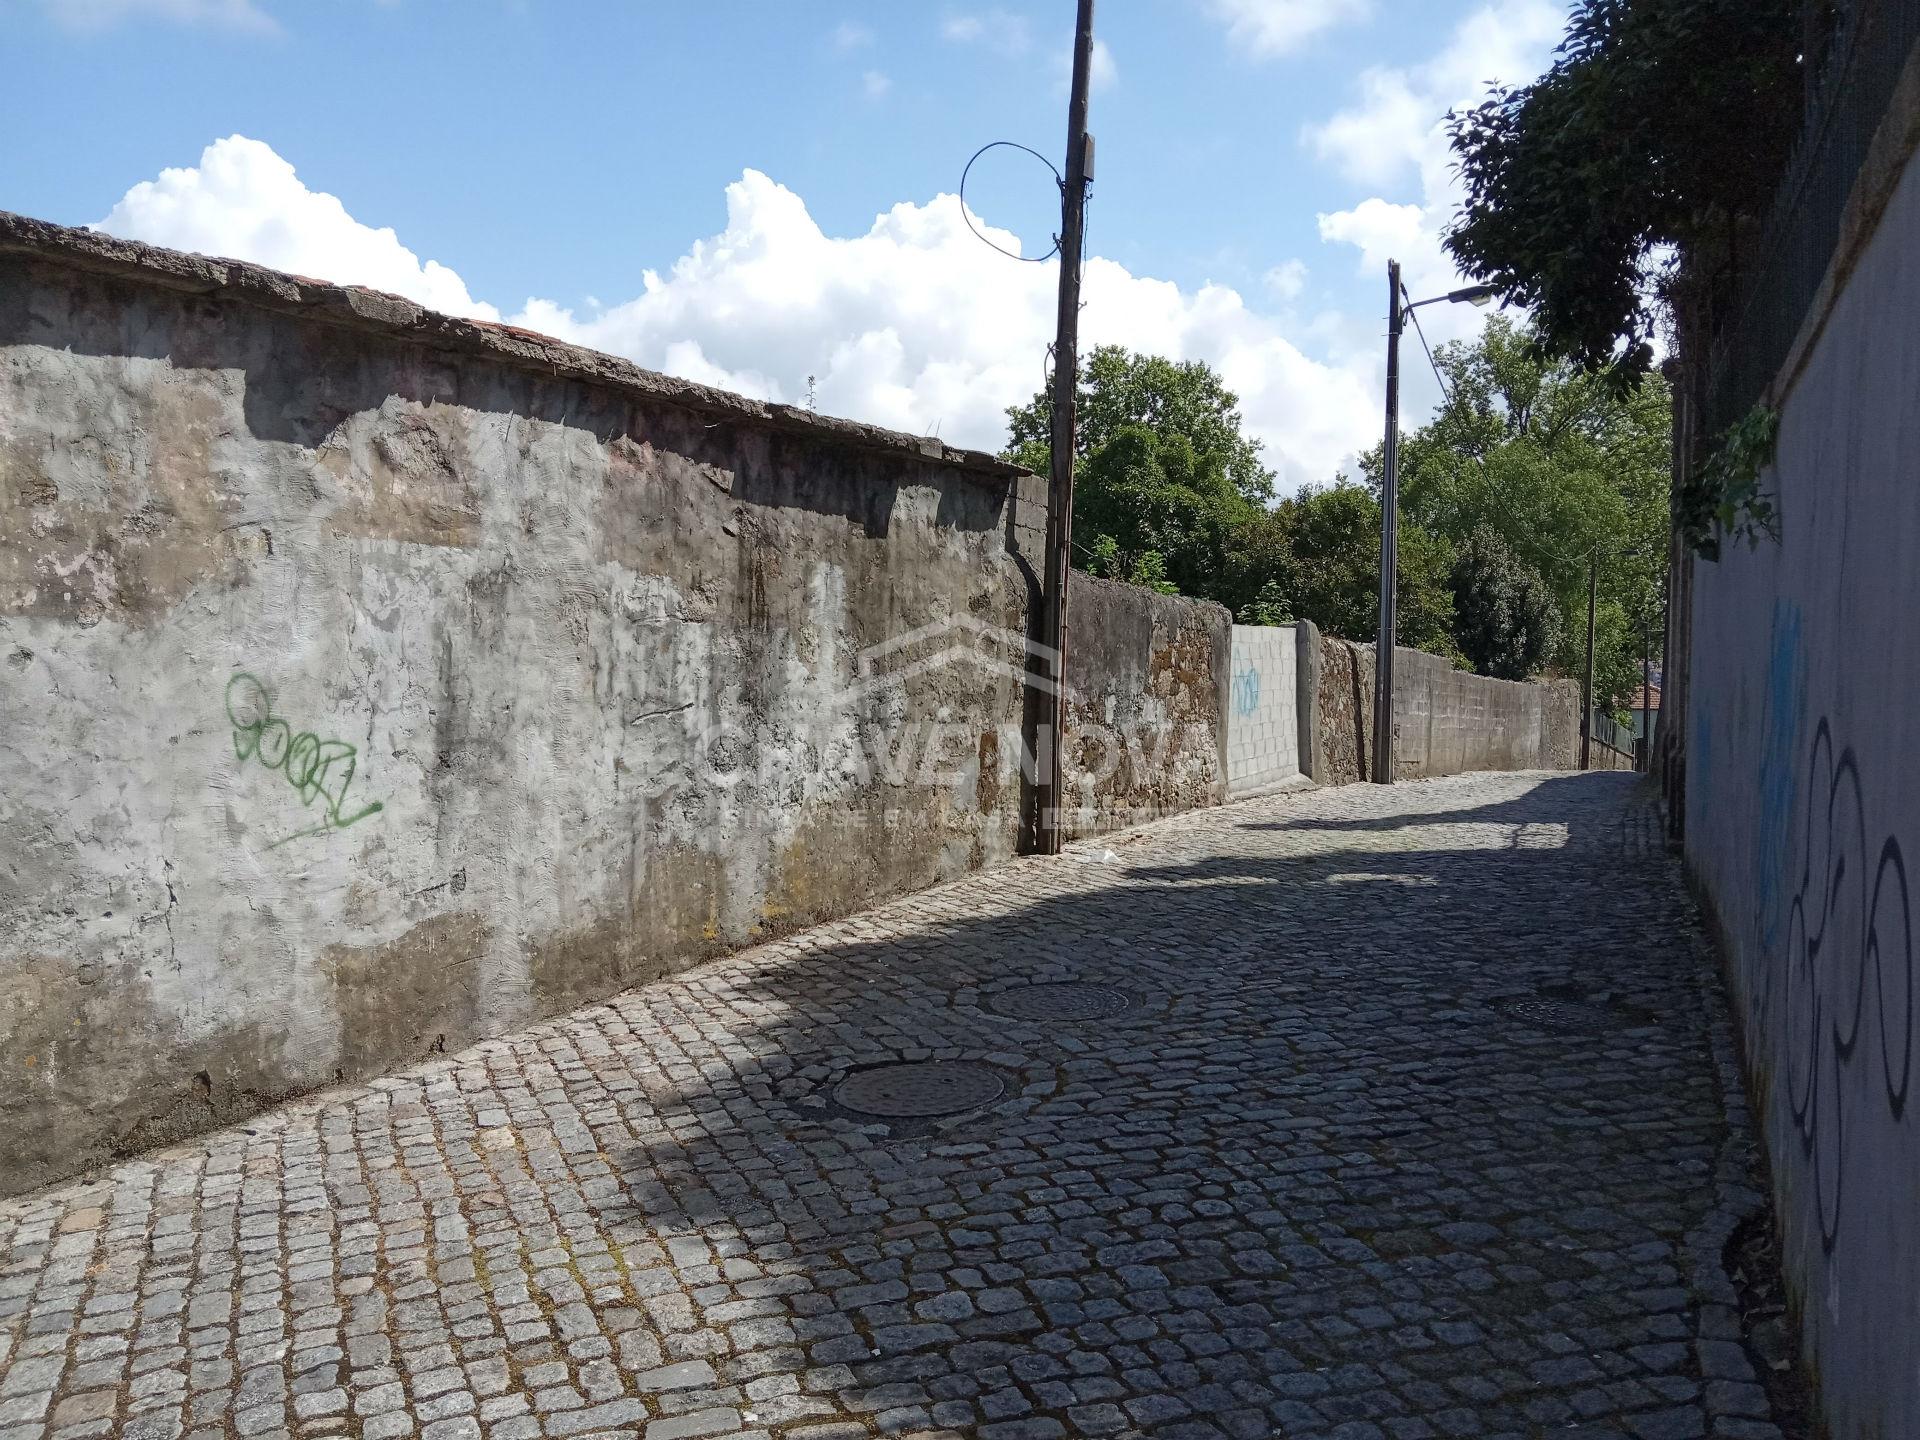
(1199, 604)
(355, 307)
(1537, 682)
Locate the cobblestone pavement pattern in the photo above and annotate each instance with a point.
(1319, 1179)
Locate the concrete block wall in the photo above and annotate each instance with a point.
(1449, 721)
(1263, 732)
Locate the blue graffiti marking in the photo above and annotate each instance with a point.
(1779, 756)
(1246, 691)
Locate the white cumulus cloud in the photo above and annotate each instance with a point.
(997, 29)
(917, 325)
(102, 14)
(1393, 138)
(1271, 28)
(851, 35)
(244, 202)
(1104, 73)
(913, 324)
(1287, 280)
(1398, 125)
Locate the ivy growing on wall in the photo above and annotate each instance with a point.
(1723, 496)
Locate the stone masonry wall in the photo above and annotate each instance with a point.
(1147, 704)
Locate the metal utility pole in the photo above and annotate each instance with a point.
(1389, 543)
(1066, 374)
(1586, 685)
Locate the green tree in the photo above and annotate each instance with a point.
(1331, 574)
(1118, 388)
(1561, 465)
(1168, 489)
(1148, 494)
(1169, 492)
(1269, 607)
(1661, 123)
(1504, 618)
(1148, 569)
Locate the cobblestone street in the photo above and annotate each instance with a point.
(1395, 1113)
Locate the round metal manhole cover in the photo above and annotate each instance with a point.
(1065, 1001)
(1565, 1015)
(919, 1090)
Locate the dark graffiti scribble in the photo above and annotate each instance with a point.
(317, 769)
(1849, 925)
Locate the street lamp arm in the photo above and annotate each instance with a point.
(1475, 295)
(1399, 306)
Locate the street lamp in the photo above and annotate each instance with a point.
(1397, 313)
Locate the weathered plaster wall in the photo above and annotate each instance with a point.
(1263, 726)
(1448, 721)
(374, 681)
(1802, 800)
(1147, 704)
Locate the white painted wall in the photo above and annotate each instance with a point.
(1802, 805)
(1263, 721)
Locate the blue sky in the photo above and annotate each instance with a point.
(1258, 159)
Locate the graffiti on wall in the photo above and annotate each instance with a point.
(1779, 766)
(1849, 938)
(1246, 690)
(318, 770)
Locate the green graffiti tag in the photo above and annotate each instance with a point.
(316, 769)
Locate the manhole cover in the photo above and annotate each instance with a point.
(1065, 1000)
(1568, 1015)
(919, 1090)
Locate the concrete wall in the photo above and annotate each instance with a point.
(374, 681)
(1147, 679)
(1802, 800)
(1448, 721)
(1263, 733)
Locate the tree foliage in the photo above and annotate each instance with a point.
(1505, 620)
(1118, 389)
(1167, 486)
(1526, 470)
(1561, 466)
(1661, 123)
(1332, 570)
(1151, 494)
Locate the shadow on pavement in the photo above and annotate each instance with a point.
(1392, 1135)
